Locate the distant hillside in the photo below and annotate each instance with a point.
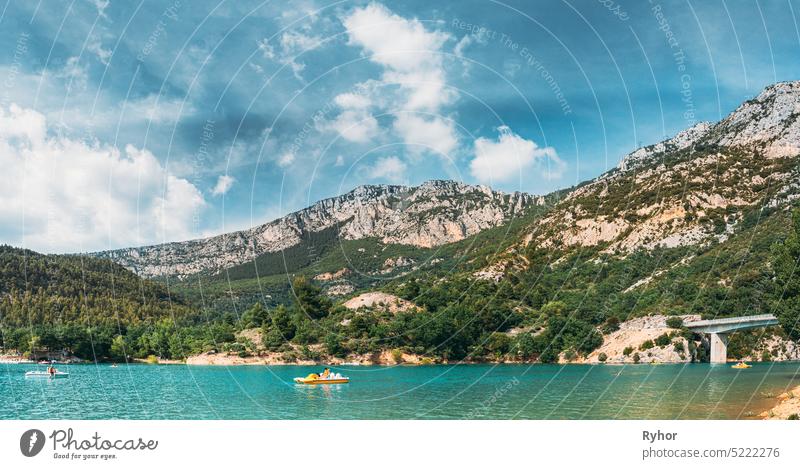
(53, 289)
(430, 215)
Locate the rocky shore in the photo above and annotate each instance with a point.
(788, 407)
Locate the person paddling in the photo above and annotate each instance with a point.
(52, 370)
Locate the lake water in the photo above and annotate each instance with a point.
(696, 391)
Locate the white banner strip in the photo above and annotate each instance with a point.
(398, 444)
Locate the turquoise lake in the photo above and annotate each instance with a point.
(696, 391)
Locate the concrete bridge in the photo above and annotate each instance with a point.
(719, 329)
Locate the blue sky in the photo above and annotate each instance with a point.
(128, 123)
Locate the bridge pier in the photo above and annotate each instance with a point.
(719, 347)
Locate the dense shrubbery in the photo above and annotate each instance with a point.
(674, 322)
(662, 340)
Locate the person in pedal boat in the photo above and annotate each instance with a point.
(52, 370)
(326, 373)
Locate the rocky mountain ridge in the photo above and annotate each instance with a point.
(767, 125)
(689, 189)
(432, 214)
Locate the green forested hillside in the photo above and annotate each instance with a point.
(89, 307)
(38, 288)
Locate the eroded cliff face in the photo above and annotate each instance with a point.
(434, 213)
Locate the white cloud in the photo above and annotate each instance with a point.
(96, 47)
(352, 101)
(101, 6)
(292, 44)
(504, 159)
(266, 49)
(426, 90)
(256, 68)
(393, 41)
(462, 44)
(286, 159)
(433, 134)
(355, 125)
(75, 75)
(389, 168)
(59, 194)
(224, 183)
(411, 56)
(355, 121)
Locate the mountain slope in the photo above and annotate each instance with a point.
(432, 214)
(690, 189)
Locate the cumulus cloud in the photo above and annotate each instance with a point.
(355, 125)
(59, 194)
(393, 41)
(224, 184)
(504, 159)
(433, 134)
(411, 57)
(389, 168)
(410, 54)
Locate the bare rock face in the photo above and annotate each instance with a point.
(432, 214)
(769, 123)
(380, 300)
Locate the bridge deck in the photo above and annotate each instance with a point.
(725, 325)
(738, 320)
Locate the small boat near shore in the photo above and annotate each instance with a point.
(44, 374)
(314, 378)
(741, 366)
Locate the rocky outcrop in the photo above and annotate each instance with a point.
(432, 214)
(788, 407)
(630, 337)
(379, 300)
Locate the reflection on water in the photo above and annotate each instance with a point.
(698, 391)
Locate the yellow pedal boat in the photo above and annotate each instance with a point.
(741, 366)
(314, 378)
